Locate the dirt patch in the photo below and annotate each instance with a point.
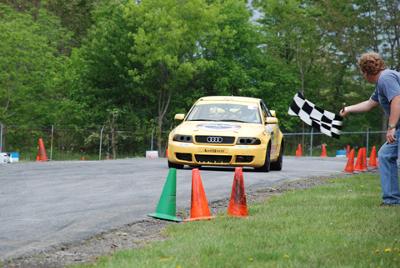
(136, 234)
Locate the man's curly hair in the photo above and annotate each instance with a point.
(371, 63)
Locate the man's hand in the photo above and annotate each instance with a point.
(390, 135)
(344, 112)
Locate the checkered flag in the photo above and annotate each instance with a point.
(326, 122)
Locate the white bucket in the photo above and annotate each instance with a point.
(4, 158)
(151, 154)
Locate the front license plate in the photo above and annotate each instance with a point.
(213, 150)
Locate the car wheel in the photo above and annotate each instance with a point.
(267, 164)
(173, 165)
(278, 164)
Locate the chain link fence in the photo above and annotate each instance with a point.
(63, 143)
(100, 143)
(312, 142)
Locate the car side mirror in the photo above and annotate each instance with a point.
(271, 120)
(179, 117)
(273, 113)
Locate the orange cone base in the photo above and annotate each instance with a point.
(359, 171)
(236, 210)
(200, 218)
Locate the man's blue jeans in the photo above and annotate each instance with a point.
(388, 155)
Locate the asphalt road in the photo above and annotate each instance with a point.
(45, 204)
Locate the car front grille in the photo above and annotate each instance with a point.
(184, 156)
(244, 158)
(215, 139)
(205, 158)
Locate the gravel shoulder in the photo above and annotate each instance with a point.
(139, 233)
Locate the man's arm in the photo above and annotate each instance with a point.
(393, 119)
(394, 111)
(364, 106)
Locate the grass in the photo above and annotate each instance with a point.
(339, 224)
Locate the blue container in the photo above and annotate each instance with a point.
(341, 153)
(14, 157)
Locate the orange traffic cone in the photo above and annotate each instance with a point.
(372, 158)
(299, 151)
(237, 205)
(347, 150)
(199, 205)
(350, 162)
(364, 159)
(41, 156)
(323, 153)
(358, 166)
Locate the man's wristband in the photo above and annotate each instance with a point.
(391, 126)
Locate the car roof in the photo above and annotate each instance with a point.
(229, 98)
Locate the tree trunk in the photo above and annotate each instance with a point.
(303, 129)
(159, 137)
(163, 105)
(114, 143)
(114, 137)
(164, 99)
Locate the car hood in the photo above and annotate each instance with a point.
(219, 128)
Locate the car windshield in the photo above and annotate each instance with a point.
(226, 112)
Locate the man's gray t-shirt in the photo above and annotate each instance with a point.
(387, 87)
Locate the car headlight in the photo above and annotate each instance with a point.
(182, 138)
(248, 141)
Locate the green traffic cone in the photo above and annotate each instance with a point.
(166, 208)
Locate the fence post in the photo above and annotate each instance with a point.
(1, 137)
(367, 140)
(101, 141)
(152, 135)
(311, 140)
(51, 142)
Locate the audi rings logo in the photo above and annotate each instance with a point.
(212, 139)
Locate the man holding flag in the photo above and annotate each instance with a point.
(387, 94)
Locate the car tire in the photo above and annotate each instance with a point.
(278, 164)
(267, 163)
(173, 165)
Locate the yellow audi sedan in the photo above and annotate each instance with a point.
(227, 131)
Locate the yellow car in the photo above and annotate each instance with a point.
(227, 131)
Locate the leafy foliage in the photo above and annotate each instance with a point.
(131, 65)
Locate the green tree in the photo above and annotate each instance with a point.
(32, 92)
(169, 39)
(75, 15)
(293, 41)
(29, 63)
